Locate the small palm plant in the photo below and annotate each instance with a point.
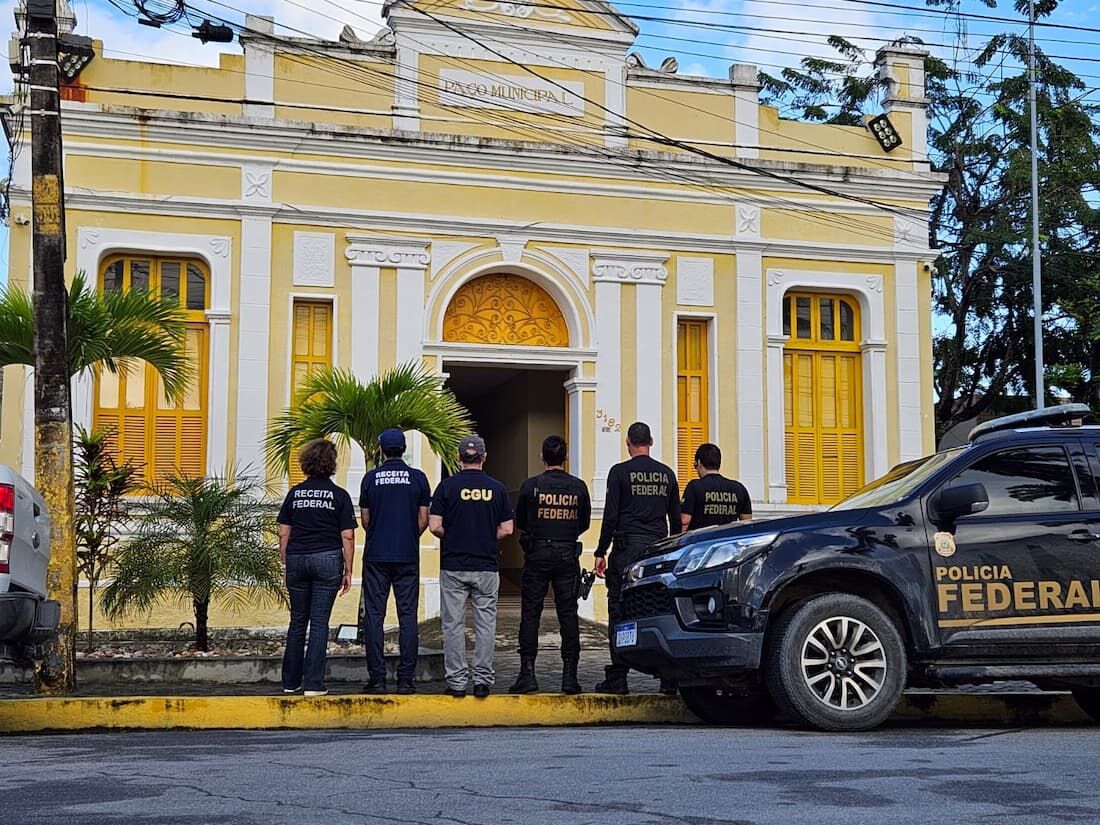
(198, 540)
(107, 330)
(333, 403)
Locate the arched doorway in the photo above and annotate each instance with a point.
(823, 397)
(501, 320)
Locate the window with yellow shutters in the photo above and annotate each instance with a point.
(822, 398)
(692, 395)
(312, 350)
(160, 437)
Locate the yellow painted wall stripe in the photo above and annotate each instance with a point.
(1004, 621)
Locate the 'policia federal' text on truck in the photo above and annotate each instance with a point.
(973, 565)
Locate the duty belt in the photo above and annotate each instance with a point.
(551, 542)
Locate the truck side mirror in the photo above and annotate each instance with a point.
(960, 500)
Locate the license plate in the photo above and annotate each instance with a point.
(626, 635)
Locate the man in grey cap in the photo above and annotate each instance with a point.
(470, 514)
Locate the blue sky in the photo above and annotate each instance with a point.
(704, 50)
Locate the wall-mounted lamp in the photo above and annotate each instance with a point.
(885, 133)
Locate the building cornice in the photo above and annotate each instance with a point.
(463, 226)
(242, 134)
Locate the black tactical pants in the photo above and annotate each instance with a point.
(624, 552)
(547, 563)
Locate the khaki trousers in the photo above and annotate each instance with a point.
(455, 588)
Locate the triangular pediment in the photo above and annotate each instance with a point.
(592, 17)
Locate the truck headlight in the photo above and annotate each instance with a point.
(721, 552)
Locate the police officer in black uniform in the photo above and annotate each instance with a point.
(553, 510)
(712, 499)
(642, 507)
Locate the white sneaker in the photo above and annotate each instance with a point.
(317, 692)
(291, 690)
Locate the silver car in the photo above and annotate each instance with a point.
(27, 617)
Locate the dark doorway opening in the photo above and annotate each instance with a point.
(513, 409)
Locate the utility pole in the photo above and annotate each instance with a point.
(52, 416)
(1036, 261)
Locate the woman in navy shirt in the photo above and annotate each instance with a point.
(316, 543)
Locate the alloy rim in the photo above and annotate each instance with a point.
(844, 663)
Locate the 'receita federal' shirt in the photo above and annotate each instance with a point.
(317, 511)
(392, 495)
(715, 499)
(473, 504)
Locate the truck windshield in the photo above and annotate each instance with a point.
(899, 483)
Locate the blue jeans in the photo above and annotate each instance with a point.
(313, 580)
(404, 578)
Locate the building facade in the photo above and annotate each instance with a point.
(510, 196)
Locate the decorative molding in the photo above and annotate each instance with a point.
(524, 11)
(402, 253)
(874, 283)
(748, 220)
(504, 309)
(444, 253)
(581, 385)
(89, 237)
(695, 282)
(314, 259)
(220, 246)
(256, 182)
(511, 248)
(218, 316)
(577, 261)
(775, 277)
(630, 267)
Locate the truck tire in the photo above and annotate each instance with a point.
(835, 662)
(718, 706)
(1088, 698)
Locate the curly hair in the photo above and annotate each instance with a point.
(318, 459)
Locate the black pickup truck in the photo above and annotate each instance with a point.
(972, 565)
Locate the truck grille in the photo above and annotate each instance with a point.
(651, 600)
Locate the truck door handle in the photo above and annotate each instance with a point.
(1083, 535)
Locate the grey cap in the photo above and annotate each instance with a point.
(471, 448)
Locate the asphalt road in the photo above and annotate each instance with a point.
(534, 776)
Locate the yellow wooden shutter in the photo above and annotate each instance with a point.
(822, 398)
(692, 395)
(311, 351)
(158, 437)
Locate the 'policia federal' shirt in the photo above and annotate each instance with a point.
(554, 505)
(642, 500)
(715, 499)
(473, 504)
(392, 495)
(317, 511)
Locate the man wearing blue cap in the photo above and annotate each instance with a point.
(393, 503)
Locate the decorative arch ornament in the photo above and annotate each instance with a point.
(504, 309)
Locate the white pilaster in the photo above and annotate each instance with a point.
(406, 103)
(615, 122)
(877, 460)
(648, 272)
(777, 448)
(259, 67)
(254, 344)
(575, 389)
(908, 344)
(750, 371)
(217, 437)
(608, 387)
(746, 110)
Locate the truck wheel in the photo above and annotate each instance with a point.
(1088, 698)
(836, 662)
(718, 706)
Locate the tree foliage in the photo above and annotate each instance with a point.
(333, 403)
(199, 540)
(107, 330)
(979, 138)
(101, 507)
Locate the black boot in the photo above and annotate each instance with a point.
(569, 683)
(526, 683)
(615, 683)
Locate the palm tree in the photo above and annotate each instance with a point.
(199, 540)
(107, 330)
(334, 403)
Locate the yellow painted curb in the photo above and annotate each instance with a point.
(991, 708)
(334, 712)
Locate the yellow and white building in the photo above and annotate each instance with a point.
(505, 192)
